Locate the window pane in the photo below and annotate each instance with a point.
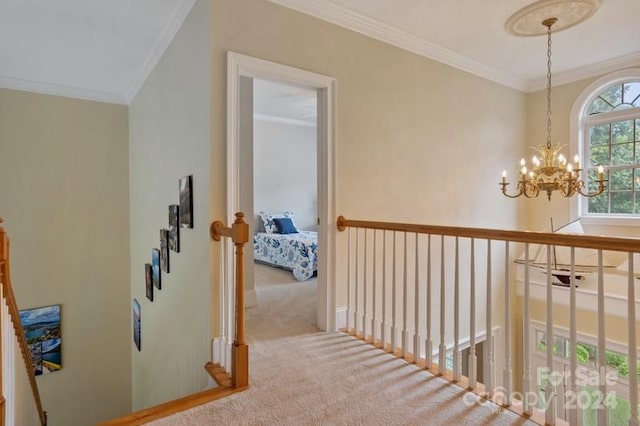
(636, 180)
(599, 135)
(631, 93)
(622, 154)
(613, 95)
(638, 128)
(599, 204)
(621, 179)
(622, 131)
(622, 202)
(598, 106)
(600, 155)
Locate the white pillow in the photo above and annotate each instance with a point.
(269, 224)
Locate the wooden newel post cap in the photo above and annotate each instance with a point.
(239, 217)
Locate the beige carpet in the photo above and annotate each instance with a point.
(300, 376)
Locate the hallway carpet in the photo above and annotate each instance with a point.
(300, 376)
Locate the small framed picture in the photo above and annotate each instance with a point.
(42, 327)
(174, 228)
(186, 202)
(148, 274)
(155, 262)
(136, 324)
(164, 250)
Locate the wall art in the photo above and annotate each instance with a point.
(42, 329)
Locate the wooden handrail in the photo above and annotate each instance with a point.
(7, 292)
(531, 237)
(239, 234)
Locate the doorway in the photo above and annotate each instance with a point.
(241, 69)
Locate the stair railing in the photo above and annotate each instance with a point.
(233, 327)
(20, 402)
(418, 291)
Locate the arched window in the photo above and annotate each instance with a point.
(607, 117)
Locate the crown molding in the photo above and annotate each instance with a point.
(351, 20)
(61, 90)
(588, 71)
(167, 34)
(283, 120)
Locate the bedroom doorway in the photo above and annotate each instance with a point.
(246, 75)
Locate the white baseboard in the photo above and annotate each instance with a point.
(341, 318)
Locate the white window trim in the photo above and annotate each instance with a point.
(576, 135)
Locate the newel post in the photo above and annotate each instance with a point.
(240, 236)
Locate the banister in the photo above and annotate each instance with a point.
(531, 237)
(239, 234)
(7, 293)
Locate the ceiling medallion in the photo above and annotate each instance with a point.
(526, 21)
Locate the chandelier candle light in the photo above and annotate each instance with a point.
(550, 171)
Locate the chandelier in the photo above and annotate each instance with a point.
(550, 170)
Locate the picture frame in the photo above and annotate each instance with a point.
(186, 201)
(155, 265)
(148, 274)
(174, 228)
(137, 324)
(42, 327)
(164, 250)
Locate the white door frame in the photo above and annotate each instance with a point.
(241, 65)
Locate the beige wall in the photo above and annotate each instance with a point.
(169, 138)
(417, 141)
(64, 197)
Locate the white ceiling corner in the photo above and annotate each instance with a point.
(169, 31)
(471, 36)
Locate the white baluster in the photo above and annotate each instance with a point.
(632, 352)
(405, 301)
(356, 313)
(443, 348)
(375, 284)
(416, 309)
(349, 310)
(526, 337)
(365, 284)
(602, 339)
(473, 372)
(394, 328)
(456, 315)
(507, 327)
(383, 327)
(428, 343)
(488, 354)
(573, 338)
(549, 392)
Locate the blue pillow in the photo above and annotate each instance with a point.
(285, 225)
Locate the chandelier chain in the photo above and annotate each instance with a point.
(549, 85)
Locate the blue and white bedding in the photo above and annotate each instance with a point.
(297, 252)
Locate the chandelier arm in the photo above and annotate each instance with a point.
(601, 187)
(504, 191)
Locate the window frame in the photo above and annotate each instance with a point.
(578, 132)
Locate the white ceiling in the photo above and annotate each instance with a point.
(105, 49)
(92, 49)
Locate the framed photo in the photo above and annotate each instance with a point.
(42, 329)
(136, 324)
(186, 202)
(148, 275)
(155, 263)
(164, 250)
(174, 228)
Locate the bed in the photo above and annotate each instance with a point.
(297, 252)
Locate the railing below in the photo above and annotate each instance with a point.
(20, 399)
(430, 294)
